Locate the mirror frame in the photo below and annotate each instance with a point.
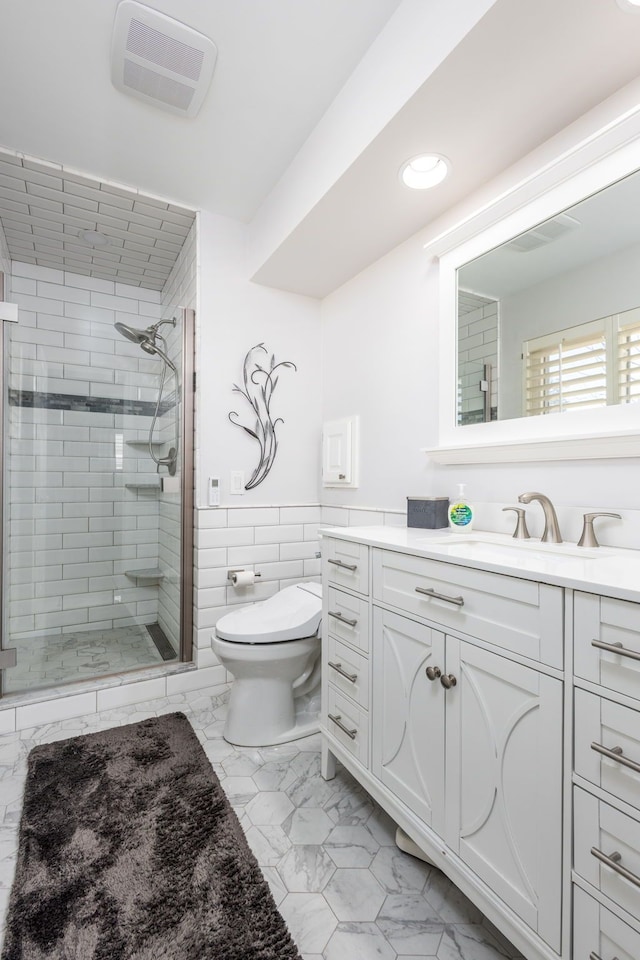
(597, 161)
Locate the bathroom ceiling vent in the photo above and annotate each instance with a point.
(543, 234)
(160, 60)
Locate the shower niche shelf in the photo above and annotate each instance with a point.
(142, 485)
(145, 573)
(144, 443)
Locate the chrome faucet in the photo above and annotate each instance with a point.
(551, 529)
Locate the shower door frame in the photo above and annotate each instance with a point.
(7, 656)
(187, 517)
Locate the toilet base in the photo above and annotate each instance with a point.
(306, 722)
(295, 733)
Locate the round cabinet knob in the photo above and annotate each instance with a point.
(433, 673)
(448, 681)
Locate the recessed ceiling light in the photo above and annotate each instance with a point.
(629, 6)
(94, 239)
(424, 171)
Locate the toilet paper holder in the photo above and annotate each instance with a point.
(232, 574)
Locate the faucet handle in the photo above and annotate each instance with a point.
(521, 532)
(588, 537)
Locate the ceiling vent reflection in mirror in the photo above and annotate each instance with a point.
(543, 234)
(159, 60)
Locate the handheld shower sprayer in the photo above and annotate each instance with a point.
(148, 341)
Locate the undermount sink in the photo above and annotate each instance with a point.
(488, 547)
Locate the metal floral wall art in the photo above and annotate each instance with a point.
(259, 383)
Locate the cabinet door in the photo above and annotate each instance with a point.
(408, 713)
(504, 780)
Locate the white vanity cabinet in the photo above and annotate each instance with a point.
(345, 648)
(463, 715)
(469, 740)
(606, 791)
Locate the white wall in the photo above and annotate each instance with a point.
(272, 529)
(381, 361)
(235, 315)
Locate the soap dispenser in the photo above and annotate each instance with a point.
(460, 512)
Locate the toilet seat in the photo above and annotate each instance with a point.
(292, 614)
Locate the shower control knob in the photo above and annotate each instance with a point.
(448, 681)
(433, 673)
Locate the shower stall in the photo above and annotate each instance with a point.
(97, 526)
(96, 395)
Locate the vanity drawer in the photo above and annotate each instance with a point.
(517, 615)
(348, 619)
(615, 727)
(599, 933)
(348, 671)
(349, 724)
(599, 827)
(602, 620)
(347, 564)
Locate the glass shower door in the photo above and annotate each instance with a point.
(94, 547)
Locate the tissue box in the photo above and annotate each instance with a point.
(430, 513)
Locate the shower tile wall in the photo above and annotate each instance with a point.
(180, 290)
(477, 345)
(75, 528)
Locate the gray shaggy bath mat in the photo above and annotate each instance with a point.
(129, 850)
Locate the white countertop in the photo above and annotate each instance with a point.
(611, 571)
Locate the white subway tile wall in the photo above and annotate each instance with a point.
(77, 519)
(280, 543)
(477, 345)
(180, 291)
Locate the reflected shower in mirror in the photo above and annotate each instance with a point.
(549, 322)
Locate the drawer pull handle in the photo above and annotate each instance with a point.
(338, 722)
(343, 673)
(459, 601)
(613, 860)
(448, 681)
(338, 616)
(433, 673)
(345, 566)
(615, 753)
(616, 648)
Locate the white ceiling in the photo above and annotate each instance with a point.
(524, 71)
(280, 64)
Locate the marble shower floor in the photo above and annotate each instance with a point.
(60, 658)
(327, 850)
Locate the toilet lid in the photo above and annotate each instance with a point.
(291, 614)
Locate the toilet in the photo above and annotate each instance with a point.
(272, 649)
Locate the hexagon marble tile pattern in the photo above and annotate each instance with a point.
(327, 850)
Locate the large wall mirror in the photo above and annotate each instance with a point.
(540, 315)
(549, 322)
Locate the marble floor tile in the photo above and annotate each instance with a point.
(326, 848)
(60, 658)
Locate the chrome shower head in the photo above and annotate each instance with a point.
(135, 335)
(143, 337)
